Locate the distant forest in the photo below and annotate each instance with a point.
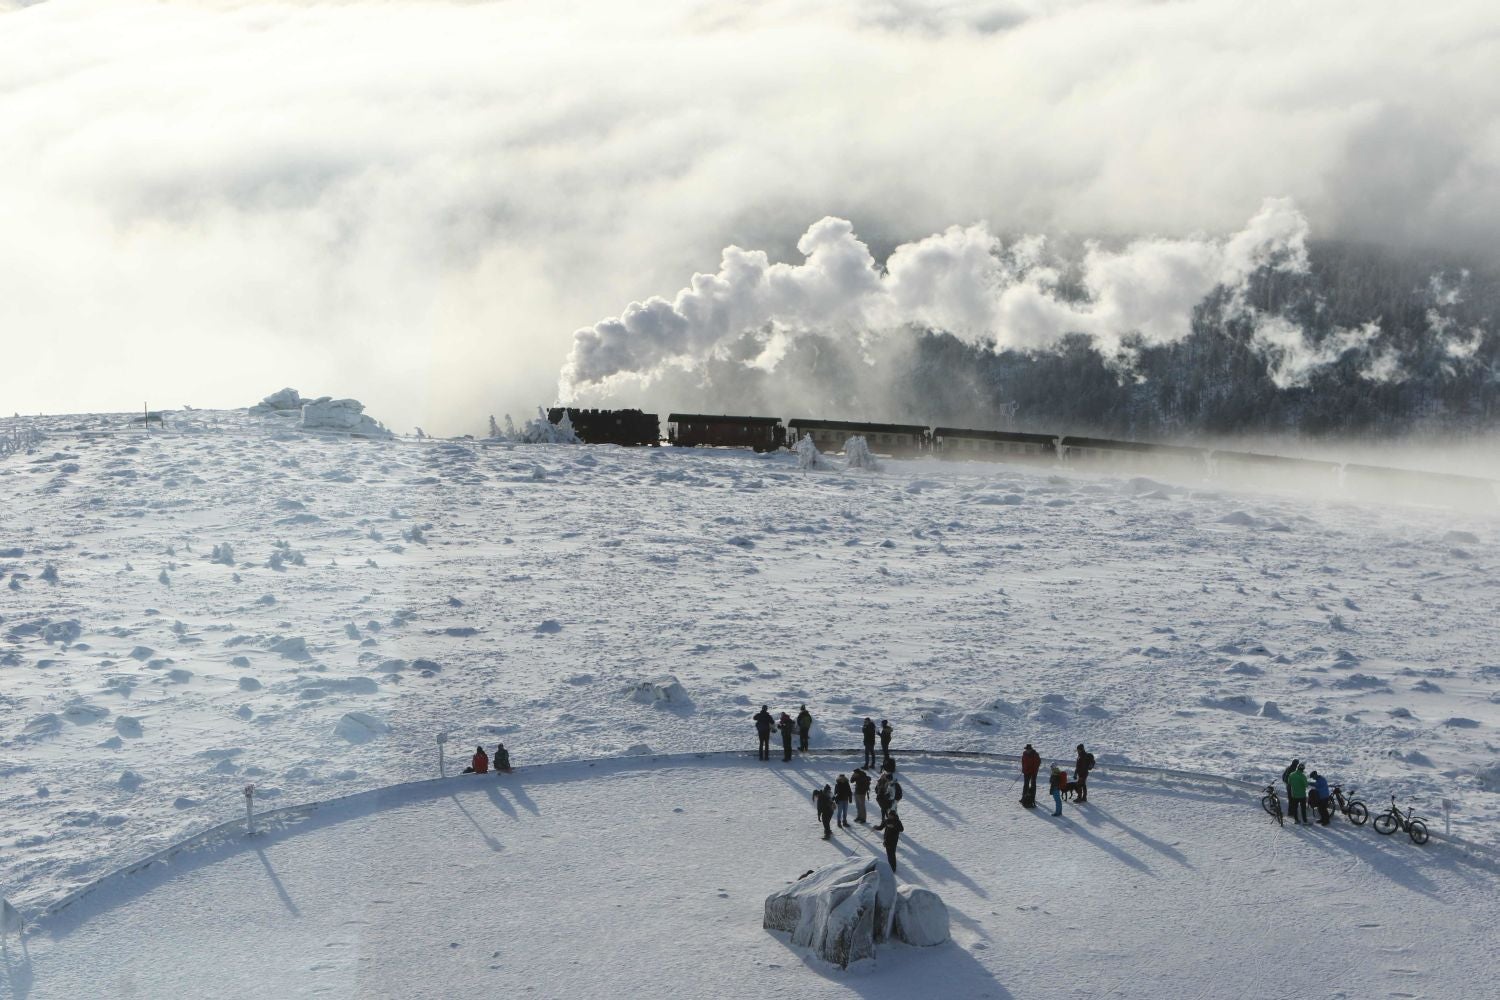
(1437, 323)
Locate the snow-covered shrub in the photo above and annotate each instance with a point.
(543, 431)
(808, 456)
(857, 454)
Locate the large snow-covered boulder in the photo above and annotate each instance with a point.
(665, 691)
(839, 911)
(346, 416)
(921, 917)
(286, 401)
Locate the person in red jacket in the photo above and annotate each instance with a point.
(1031, 763)
(480, 763)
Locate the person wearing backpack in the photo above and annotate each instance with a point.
(823, 803)
(1055, 786)
(842, 793)
(1296, 785)
(861, 790)
(1031, 763)
(1081, 768)
(893, 828)
(868, 731)
(804, 726)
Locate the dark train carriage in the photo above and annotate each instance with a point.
(627, 427)
(1136, 455)
(1248, 468)
(1369, 482)
(883, 439)
(710, 430)
(1000, 446)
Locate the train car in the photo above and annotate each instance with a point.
(883, 439)
(709, 430)
(1137, 456)
(626, 427)
(997, 446)
(1370, 482)
(1273, 472)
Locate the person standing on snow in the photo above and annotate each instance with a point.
(1055, 786)
(804, 726)
(1286, 777)
(861, 790)
(785, 725)
(1031, 763)
(893, 828)
(1081, 768)
(887, 794)
(1296, 788)
(869, 734)
(885, 737)
(842, 793)
(823, 802)
(1320, 798)
(763, 725)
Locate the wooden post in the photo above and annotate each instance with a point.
(146, 417)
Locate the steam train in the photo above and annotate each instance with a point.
(1237, 468)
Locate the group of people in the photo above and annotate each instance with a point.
(802, 726)
(480, 762)
(831, 802)
(1303, 786)
(1058, 784)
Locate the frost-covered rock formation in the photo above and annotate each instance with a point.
(283, 403)
(346, 416)
(664, 690)
(842, 910)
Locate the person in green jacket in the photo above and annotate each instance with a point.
(1296, 787)
(804, 726)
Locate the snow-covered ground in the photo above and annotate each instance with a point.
(522, 592)
(634, 878)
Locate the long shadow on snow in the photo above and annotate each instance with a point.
(900, 972)
(1096, 816)
(1067, 825)
(15, 976)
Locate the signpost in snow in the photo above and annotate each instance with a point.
(10, 919)
(442, 737)
(250, 808)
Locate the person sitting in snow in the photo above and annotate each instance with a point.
(823, 803)
(502, 758)
(480, 763)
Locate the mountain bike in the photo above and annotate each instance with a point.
(1353, 809)
(1394, 819)
(1271, 803)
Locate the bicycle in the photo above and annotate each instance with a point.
(1271, 803)
(1392, 820)
(1353, 809)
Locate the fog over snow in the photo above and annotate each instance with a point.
(419, 203)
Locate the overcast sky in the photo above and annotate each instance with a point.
(419, 203)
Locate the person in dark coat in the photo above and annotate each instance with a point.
(786, 727)
(888, 766)
(1031, 763)
(842, 793)
(1081, 768)
(1286, 777)
(502, 759)
(885, 737)
(887, 794)
(861, 790)
(893, 828)
(480, 764)
(823, 802)
(869, 734)
(763, 725)
(804, 727)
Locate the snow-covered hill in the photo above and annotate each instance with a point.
(647, 877)
(522, 592)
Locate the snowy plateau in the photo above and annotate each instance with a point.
(233, 601)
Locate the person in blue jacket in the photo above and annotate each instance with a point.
(1321, 797)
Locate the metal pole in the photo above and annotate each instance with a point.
(441, 739)
(249, 808)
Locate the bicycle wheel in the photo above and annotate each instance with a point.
(1270, 804)
(1418, 831)
(1357, 812)
(1385, 824)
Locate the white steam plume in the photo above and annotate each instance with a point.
(964, 281)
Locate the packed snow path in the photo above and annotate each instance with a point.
(634, 877)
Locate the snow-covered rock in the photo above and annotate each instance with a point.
(346, 416)
(838, 911)
(360, 727)
(286, 401)
(664, 691)
(921, 917)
